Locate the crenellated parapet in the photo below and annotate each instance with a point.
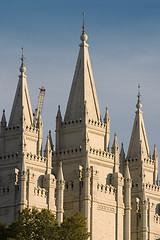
(31, 129)
(107, 189)
(98, 124)
(41, 192)
(146, 161)
(36, 158)
(71, 123)
(5, 190)
(9, 158)
(157, 218)
(152, 188)
(102, 153)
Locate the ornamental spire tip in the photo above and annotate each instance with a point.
(83, 36)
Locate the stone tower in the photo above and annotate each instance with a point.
(145, 194)
(93, 184)
(25, 175)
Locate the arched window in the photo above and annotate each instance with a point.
(158, 209)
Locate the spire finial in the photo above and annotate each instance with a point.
(22, 68)
(83, 27)
(83, 36)
(139, 94)
(139, 105)
(22, 58)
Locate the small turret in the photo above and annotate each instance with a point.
(155, 158)
(59, 116)
(2, 133)
(106, 117)
(23, 184)
(40, 135)
(144, 214)
(58, 127)
(107, 132)
(48, 152)
(3, 120)
(115, 151)
(60, 193)
(86, 192)
(127, 172)
(122, 159)
(127, 200)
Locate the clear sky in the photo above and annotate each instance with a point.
(124, 46)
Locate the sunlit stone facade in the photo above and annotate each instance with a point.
(119, 195)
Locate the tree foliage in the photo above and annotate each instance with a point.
(41, 225)
(74, 228)
(3, 231)
(34, 224)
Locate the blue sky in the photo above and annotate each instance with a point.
(124, 46)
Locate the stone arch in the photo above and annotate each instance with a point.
(158, 209)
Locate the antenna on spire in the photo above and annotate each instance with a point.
(83, 27)
(22, 58)
(139, 105)
(139, 94)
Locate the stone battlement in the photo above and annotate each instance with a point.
(152, 187)
(35, 157)
(8, 157)
(157, 218)
(31, 129)
(68, 151)
(4, 190)
(42, 192)
(96, 123)
(101, 153)
(106, 189)
(71, 122)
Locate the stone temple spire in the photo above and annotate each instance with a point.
(83, 87)
(21, 110)
(138, 138)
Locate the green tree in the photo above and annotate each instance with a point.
(74, 228)
(3, 231)
(41, 225)
(34, 224)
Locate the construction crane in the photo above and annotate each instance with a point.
(38, 110)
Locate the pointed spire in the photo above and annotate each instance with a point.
(138, 141)
(3, 120)
(60, 177)
(106, 117)
(51, 142)
(122, 153)
(48, 144)
(59, 116)
(127, 172)
(83, 87)
(21, 107)
(115, 144)
(155, 153)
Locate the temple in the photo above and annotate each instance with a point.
(118, 193)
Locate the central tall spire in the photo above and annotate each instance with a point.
(83, 87)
